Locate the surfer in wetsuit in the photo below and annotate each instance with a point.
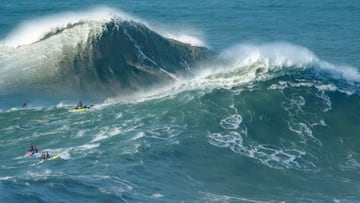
(45, 155)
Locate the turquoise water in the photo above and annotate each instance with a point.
(194, 101)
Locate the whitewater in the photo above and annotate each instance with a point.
(239, 102)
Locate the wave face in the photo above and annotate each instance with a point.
(108, 56)
(129, 56)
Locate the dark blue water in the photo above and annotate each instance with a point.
(194, 101)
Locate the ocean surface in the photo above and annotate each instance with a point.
(194, 101)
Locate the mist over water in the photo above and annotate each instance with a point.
(254, 121)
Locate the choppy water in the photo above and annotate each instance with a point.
(266, 112)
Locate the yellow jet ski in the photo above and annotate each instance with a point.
(76, 109)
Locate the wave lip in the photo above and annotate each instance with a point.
(35, 30)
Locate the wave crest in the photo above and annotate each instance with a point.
(34, 30)
(279, 55)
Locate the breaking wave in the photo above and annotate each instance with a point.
(99, 52)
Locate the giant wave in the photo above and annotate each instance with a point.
(109, 54)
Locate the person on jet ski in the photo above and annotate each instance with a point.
(80, 104)
(35, 149)
(31, 149)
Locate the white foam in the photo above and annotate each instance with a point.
(118, 115)
(210, 197)
(138, 136)
(294, 106)
(320, 87)
(319, 123)
(165, 132)
(33, 30)
(86, 147)
(80, 133)
(6, 177)
(351, 162)
(232, 122)
(131, 149)
(304, 131)
(280, 86)
(277, 55)
(106, 133)
(157, 195)
(40, 175)
(327, 87)
(349, 73)
(65, 155)
(114, 186)
(326, 101)
(226, 140)
(269, 155)
(185, 38)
